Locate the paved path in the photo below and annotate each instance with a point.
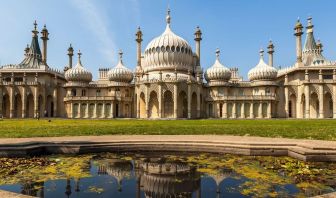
(308, 150)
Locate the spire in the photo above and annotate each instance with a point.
(120, 56)
(217, 54)
(79, 57)
(168, 18)
(35, 32)
(26, 49)
(261, 53)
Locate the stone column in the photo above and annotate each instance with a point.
(242, 110)
(138, 103)
(321, 101)
(189, 100)
(103, 111)
(198, 102)
(79, 109)
(175, 100)
(251, 110)
(298, 104)
(55, 95)
(11, 101)
(71, 110)
(234, 114)
(95, 110)
(160, 101)
(225, 110)
(24, 102)
(147, 102)
(260, 110)
(269, 111)
(286, 103)
(217, 110)
(307, 97)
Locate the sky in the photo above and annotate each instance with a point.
(99, 28)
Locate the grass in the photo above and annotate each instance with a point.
(305, 129)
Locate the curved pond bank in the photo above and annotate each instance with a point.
(306, 150)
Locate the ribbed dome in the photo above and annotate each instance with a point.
(217, 72)
(167, 52)
(120, 73)
(78, 73)
(262, 71)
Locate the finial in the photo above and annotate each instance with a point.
(79, 54)
(217, 53)
(310, 24)
(261, 52)
(35, 25)
(168, 16)
(120, 55)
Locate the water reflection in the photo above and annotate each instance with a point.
(167, 176)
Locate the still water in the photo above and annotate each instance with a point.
(165, 175)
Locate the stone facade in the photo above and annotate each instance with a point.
(169, 82)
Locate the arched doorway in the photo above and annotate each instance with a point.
(256, 110)
(210, 110)
(142, 106)
(328, 105)
(100, 110)
(30, 106)
(168, 104)
(229, 110)
(182, 105)
(194, 105)
(238, 110)
(83, 110)
(108, 110)
(153, 105)
(91, 110)
(5, 106)
(264, 110)
(292, 106)
(314, 105)
(220, 110)
(247, 107)
(18, 106)
(75, 110)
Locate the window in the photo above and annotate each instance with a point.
(326, 77)
(256, 91)
(267, 91)
(83, 92)
(98, 92)
(241, 92)
(73, 92)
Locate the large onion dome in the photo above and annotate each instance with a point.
(217, 72)
(168, 52)
(262, 71)
(78, 73)
(120, 73)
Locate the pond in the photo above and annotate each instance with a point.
(165, 175)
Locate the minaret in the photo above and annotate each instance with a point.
(138, 40)
(298, 33)
(198, 38)
(70, 54)
(270, 53)
(45, 38)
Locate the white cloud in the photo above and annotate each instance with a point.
(96, 22)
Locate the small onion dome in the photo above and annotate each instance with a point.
(262, 71)
(120, 73)
(78, 73)
(217, 72)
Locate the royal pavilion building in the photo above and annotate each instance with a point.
(170, 83)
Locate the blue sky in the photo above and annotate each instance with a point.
(101, 27)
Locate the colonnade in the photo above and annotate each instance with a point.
(233, 109)
(100, 109)
(165, 104)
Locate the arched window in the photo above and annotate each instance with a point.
(267, 91)
(73, 92)
(83, 92)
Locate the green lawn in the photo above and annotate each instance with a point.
(308, 129)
